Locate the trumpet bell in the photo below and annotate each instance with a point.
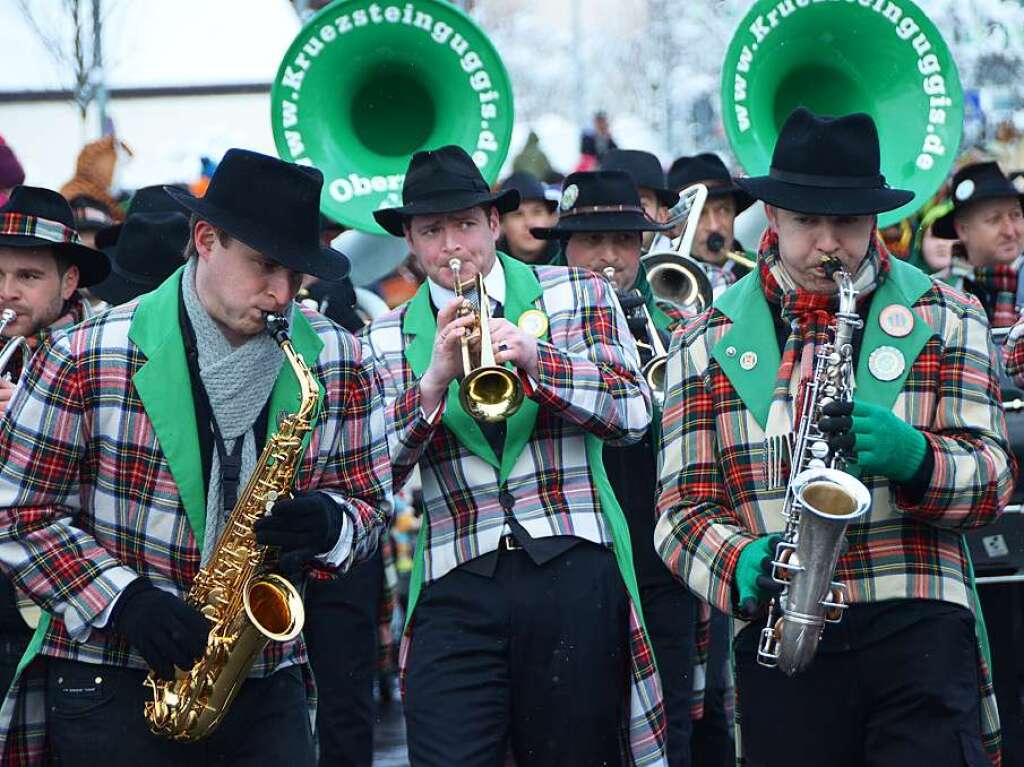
(814, 55)
(491, 393)
(678, 280)
(654, 374)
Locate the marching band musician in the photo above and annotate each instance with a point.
(988, 219)
(714, 238)
(42, 265)
(655, 196)
(901, 679)
(122, 456)
(525, 635)
(606, 237)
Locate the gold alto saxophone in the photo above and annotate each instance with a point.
(246, 604)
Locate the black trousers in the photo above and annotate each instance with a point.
(341, 638)
(670, 612)
(534, 660)
(910, 699)
(712, 744)
(95, 718)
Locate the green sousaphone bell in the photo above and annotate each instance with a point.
(366, 83)
(882, 57)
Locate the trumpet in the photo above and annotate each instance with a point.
(654, 370)
(12, 347)
(488, 391)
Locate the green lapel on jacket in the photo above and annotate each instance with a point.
(753, 330)
(521, 292)
(164, 386)
(904, 285)
(165, 389)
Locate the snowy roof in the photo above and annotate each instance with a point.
(153, 43)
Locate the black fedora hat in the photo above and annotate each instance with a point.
(442, 180)
(827, 166)
(973, 184)
(646, 171)
(599, 201)
(147, 199)
(150, 247)
(707, 168)
(529, 188)
(272, 206)
(40, 218)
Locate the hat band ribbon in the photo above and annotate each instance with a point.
(828, 182)
(589, 209)
(24, 225)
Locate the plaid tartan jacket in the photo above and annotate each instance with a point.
(100, 476)
(589, 382)
(712, 497)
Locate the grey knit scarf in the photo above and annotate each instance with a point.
(238, 382)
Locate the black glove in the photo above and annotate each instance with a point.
(837, 426)
(165, 630)
(301, 527)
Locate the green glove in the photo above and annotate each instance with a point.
(752, 580)
(880, 442)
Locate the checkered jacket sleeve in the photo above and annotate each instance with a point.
(41, 549)
(1013, 354)
(592, 380)
(974, 472)
(357, 473)
(698, 535)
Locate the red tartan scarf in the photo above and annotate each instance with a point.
(810, 315)
(1000, 282)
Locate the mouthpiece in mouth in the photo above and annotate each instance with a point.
(715, 242)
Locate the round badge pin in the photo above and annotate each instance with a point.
(896, 320)
(533, 322)
(886, 363)
(748, 360)
(569, 196)
(964, 190)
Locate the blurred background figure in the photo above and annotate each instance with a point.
(535, 211)
(11, 172)
(595, 143)
(532, 159)
(96, 174)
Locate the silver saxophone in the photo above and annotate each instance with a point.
(821, 501)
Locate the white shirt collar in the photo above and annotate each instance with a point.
(494, 283)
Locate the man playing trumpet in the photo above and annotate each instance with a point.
(524, 633)
(900, 679)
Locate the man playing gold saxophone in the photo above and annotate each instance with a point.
(121, 459)
(901, 679)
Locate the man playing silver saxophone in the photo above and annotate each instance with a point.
(121, 459)
(925, 435)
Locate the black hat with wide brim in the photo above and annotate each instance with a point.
(147, 199)
(529, 188)
(34, 217)
(827, 166)
(149, 248)
(443, 180)
(707, 168)
(599, 201)
(272, 206)
(646, 170)
(972, 184)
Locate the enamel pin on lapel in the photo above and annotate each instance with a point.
(896, 320)
(533, 322)
(886, 363)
